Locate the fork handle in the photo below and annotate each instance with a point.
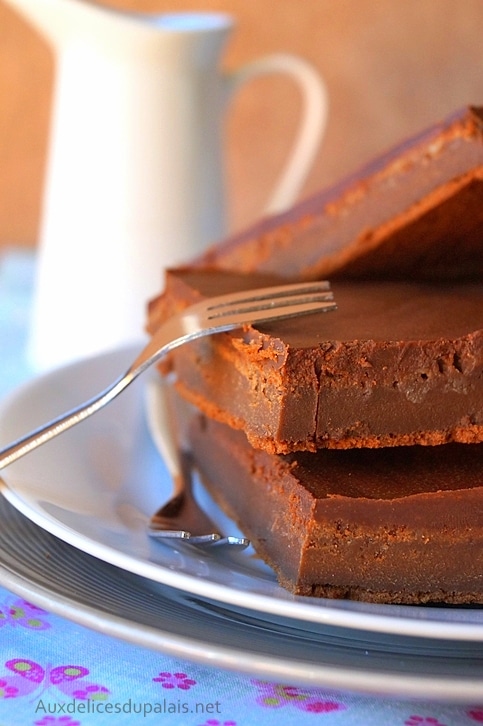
(53, 428)
(157, 346)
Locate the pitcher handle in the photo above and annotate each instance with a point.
(311, 127)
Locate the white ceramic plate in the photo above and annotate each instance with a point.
(96, 486)
(62, 579)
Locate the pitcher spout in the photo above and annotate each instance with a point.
(57, 20)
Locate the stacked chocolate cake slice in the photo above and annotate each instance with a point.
(348, 445)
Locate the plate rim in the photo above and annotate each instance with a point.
(357, 680)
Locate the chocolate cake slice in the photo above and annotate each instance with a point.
(398, 363)
(396, 525)
(413, 213)
(348, 445)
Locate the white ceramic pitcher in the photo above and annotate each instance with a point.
(135, 177)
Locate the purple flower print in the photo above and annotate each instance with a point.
(25, 677)
(175, 680)
(423, 721)
(7, 690)
(476, 714)
(317, 706)
(274, 695)
(22, 613)
(57, 721)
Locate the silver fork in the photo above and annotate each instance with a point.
(214, 315)
(180, 517)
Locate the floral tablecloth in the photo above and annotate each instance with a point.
(54, 672)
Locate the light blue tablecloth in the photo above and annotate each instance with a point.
(131, 685)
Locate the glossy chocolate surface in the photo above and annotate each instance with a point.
(413, 213)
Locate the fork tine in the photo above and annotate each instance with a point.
(270, 313)
(269, 303)
(277, 309)
(271, 293)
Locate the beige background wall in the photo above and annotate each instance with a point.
(392, 67)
